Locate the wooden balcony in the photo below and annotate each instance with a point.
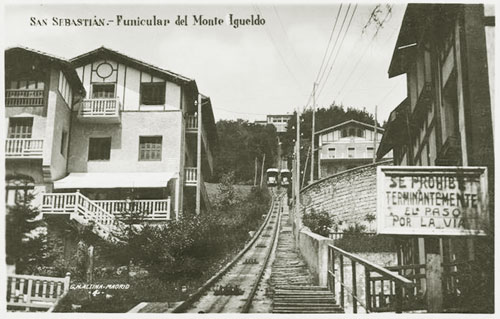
(192, 127)
(191, 123)
(100, 111)
(190, 176)
(154, 210)
(23, 148)
(24, 97)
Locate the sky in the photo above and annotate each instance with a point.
(249, 71)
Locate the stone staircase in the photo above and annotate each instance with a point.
(304, 299)
(292, 282)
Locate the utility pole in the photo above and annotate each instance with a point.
(198, 159)
(262, 170)
(255, 175)
(305, 167)
(297, 162)
(279, 159)
(375, 137)
(312, 133)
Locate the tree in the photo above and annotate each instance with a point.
(226, 196)
(23, 245)
(240, 142)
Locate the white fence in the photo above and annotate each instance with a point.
(35, 292)
(23, 147)
(154, 210)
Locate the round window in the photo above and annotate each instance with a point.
(104, 70)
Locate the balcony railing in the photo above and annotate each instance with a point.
(191, 122)
(23, 97)
(190, 176)
(82, 209)
(23, 147)
(100, 110)
(35, 292)
(153, 210)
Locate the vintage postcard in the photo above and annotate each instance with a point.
(269, 158)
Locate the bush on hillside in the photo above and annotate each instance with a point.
(318, 222)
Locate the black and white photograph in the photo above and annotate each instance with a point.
(274, 158)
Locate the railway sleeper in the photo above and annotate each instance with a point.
(228, 290)
(251, 261)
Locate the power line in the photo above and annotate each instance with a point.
(335, 44)
(277, 49)
(326, 53)
(338, 51)
(354, 70)
(230, 111)
(286, 37)
(328, 45)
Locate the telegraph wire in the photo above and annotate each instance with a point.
(338, 51)
(287, 38)
(340, 92)
(276, 48)
(335, 44)
(328, 45)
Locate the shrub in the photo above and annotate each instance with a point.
(355, 229)
(318, 222)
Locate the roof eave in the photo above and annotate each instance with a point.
(157, 71)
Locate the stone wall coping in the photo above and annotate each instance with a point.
(345, 172)
(314, 235)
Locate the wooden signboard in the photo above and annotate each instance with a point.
(432, 200)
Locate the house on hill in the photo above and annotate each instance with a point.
(347, 145)
(93, 135)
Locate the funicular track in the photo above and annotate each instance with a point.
(233, 288)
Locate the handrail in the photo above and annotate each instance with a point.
(385, 274)
(374, 267)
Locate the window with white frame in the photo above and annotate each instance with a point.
(103, 90)
(150, 148)
(20, 127)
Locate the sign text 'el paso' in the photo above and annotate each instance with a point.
(431, 200)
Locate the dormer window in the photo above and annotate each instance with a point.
(360, 132)
(153, 93)
(344, 133)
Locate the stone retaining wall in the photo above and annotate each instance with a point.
(347, 196)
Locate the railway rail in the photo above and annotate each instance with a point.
(232, 289)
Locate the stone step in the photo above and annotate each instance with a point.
(312, 311)
(302, 293)
(315, 288)
(281, 301)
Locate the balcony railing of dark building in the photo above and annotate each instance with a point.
(24, 97)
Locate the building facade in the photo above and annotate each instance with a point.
(347, 145)
(446, 120)
(104, 132)
(280, 121)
